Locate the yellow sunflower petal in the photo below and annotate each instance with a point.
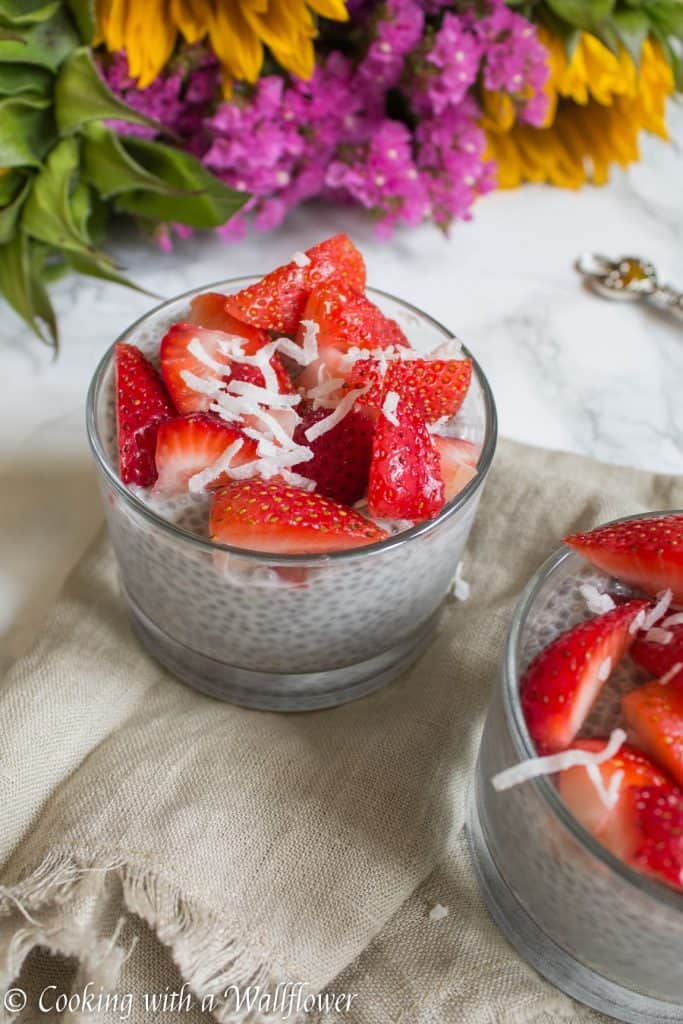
(334, 9)
(234, 42)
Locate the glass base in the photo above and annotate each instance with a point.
(549, 959)
(278, 691)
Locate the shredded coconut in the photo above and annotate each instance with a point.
(389, 407)
(301, 259)
(321, 392)
(596, 602)
(199, 481)
(451, 349)
(196, 349)
(557, 762)
(438, 912)
(672, 620)
(608, 794)
(673, 671)
(297, 480)
(262, 396)
(459, 587)
(664, 599)
(336, 416)
(657, 635)
(604, 670)
(200, 384)
(637, 622)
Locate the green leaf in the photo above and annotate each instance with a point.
(668, 16)
(582, 13)
(632, 28)
(26, 130)
(45, 43)
(10, 183)
(208, 203)
(24, 12)
(9, 214)
(85, 17)
(81, 96)
(16, 79)
(22, 285)
(111, 169)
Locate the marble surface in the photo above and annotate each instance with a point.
(568, 370)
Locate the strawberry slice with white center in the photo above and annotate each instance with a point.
(209, 310)
(142, 403)
(405, 476)
(277, 302)
(648, 553)
(278, 518)
(186, 445)
(658, 816)
(655, 713)
(341, 456)
(605, 809)
(458, 463)
(561, 684)
(193, 358)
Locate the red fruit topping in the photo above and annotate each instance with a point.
(435, 387)
(341, 457)
(208, 310)
(273, 516)
(405, 478)
(277, 301)
(658, 813)
(647, 553)
(655, 713)
(457, 462)
(177, 359)
(613, 825)
(657, 657)
(348, 319)
(141, 405)
(562, 682)
(188, 444)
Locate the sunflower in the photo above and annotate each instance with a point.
(598, 103)
(237, 30)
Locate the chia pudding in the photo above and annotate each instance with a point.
(279, 630)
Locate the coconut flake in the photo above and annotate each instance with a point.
(319, 394)
(438, 912)
(607, 794)
(672, 620)
(262, 396)
(451, 349)
(637, 622)
(297, 480)
(196, 349)
(201, 385)
(336, 416)
(459, 587)
(536, 766)
(657, 635)
(389, 407)
(301, 259)
(198, 483)
(604, 670)
(664, 599)
(673, 671)
(596, 602)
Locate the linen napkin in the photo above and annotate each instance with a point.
(152, 837)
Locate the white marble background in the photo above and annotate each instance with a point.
(568, 370)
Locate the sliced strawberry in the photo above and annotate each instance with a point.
(655, 713)
(188, 444)
(177, 360)
(348, 319)
(613, 825)
(208, 310)
(657, 657)
(457, 462)
(405, 478)
(276, 517)
(141, 405)
(647, 553)
(341, 457)
(434, 387)
(277, 301)
(658, 815)
(560, 685)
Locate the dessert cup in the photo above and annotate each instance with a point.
(601, 931)
(283, 632)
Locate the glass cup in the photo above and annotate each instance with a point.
(284, 632)
(598, 929)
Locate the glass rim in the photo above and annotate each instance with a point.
(524, 745)
(248, 554)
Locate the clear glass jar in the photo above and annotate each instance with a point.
(283, 632)
(598, 929)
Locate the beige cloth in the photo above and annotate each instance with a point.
(268, 849)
